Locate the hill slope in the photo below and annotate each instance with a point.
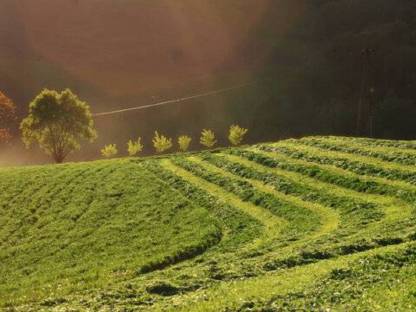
(320, 222)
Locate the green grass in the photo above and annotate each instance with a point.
(321, 223)
(87, 225)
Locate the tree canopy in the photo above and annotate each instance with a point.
(7, 117)
(135, 147)
(58, 122)
(236, 134)
(109, 151)
(161, 143)
(184, 141)
(208, 138)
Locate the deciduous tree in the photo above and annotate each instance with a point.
(134, 147)
(161, 143)
(109, 151)
(184, 141)
(236, 134)
(58, 122)
(208, 138)
(7, 117)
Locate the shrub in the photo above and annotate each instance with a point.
(184, 142)
(134, 147)
(109, 151)
(236, 135)
(208, 138)
(161, 143)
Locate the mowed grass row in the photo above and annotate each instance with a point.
(353, 235)
(406, 157)
(331, 173)
(239, 227)
(351, 202)
(328, 218)
(354, 163)
(357, 209)
(272, 225)
(377, 280)
(395, 146)
(300, 221)
(369, 156)
(244, 228)
(90, 225)
(285, 226)
(382, 189)
(373, 241)
(340, 206)
(360, 211)
(362, 278)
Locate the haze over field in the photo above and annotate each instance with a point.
(306, 58)
(122, 53)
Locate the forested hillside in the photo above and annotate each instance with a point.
(314, 63)
(343, 52)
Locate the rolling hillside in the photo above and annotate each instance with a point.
(319, 223)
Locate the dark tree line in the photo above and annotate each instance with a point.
(345, 67)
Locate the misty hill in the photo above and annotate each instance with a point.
(312, 224)
(307, 58)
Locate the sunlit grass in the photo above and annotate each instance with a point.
(272, 227)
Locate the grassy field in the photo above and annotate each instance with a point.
(316, 224)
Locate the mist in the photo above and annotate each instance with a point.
(308, 66)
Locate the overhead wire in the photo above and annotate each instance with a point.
(172, 101)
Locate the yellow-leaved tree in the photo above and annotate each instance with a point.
(184, 141)
(109, 151)
(134, 147)
(208, 138)
(236, 134)
(161, 143)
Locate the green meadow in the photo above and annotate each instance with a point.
(314, 224)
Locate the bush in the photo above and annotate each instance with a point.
(161, 143)
(184, 142)
(236, 135)
(208, 138)
(109, 151)
(134, 147)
